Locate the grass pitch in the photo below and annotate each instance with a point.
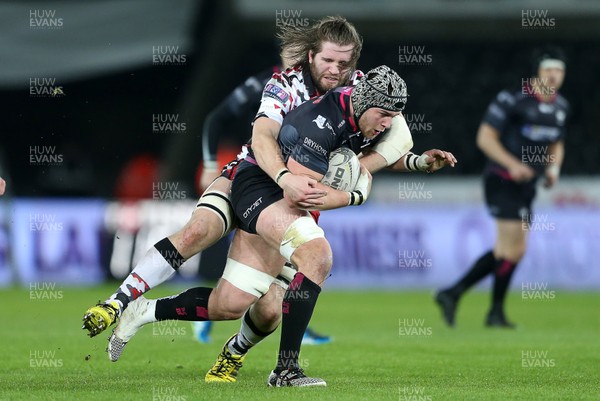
(387, 346)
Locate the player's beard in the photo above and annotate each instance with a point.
(323, 83)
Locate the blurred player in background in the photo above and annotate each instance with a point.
(2, 186)
(522, 134)
(239, 106)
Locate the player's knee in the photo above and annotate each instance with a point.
(214, 212)
(517, 253)
(228, 304)
(517, 249)
(513, 253)
(314, 259)
(190, 239)
(201, 231)
(232, 311)
(304, 244)
(322, 255)
(268, 315)
(196, 229)
(244, 285)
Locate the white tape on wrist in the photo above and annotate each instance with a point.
(553, 170)
(361, 191)
(413, 162)
(422, 164)
(280, 174)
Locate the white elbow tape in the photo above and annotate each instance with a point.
(301, 231)
(246, 278)
(396, 142)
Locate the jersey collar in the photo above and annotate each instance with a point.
(308, 81)
(345, 93)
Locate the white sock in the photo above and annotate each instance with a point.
(150, 271)
(247, 337)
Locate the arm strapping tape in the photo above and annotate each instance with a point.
(396, 143)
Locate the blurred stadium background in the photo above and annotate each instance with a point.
(90, 162)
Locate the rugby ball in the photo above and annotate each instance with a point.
(343, 171)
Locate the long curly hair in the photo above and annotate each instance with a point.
(298, 41)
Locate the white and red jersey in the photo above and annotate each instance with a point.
(289, 89)
(283, 93)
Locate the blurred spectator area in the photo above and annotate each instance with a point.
(102, 58)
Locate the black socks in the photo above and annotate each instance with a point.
(502, 276)
(484, 266)
(297, 307)
(189, 305)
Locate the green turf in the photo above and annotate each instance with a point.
(370, 358)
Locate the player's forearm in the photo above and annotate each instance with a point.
(400, 165)
(556, 151)
(495, 151)
(412, 163)
(333, 200)
(489, 142)
(373, 161)
(265, 147)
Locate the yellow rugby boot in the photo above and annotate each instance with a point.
(98, 318)
(226, 367)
